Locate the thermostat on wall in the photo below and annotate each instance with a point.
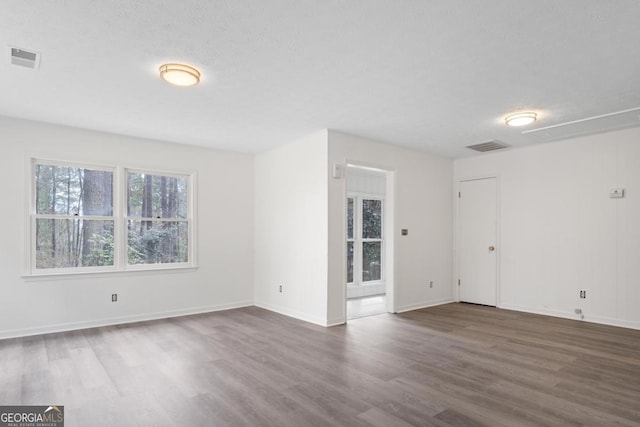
(616, 193)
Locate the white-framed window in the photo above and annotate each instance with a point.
(86, 218)
(365, 239)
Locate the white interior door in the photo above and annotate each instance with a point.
(477, 241)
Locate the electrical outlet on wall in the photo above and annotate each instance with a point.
(114, 297)
(280, 288)
(431, 284)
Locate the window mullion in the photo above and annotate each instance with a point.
(120, 199)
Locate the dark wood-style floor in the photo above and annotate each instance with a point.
(455, 365)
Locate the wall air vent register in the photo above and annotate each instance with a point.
(25, 58)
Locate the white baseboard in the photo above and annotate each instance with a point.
(62, 327)
(336, 322)
(543, 311)
(612, 322)
(423, 304)
(292, 313)
(571, 315)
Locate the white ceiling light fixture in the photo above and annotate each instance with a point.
(520, 119)
(180, 74)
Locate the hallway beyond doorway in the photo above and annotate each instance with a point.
(366, 306)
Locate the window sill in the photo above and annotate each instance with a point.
(369, 283)
(37, 277)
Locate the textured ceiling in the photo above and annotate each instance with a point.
(431, 75)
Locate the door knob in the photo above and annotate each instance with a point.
(491, 248)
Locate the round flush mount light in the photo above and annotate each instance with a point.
(520, 119)
(180, 74)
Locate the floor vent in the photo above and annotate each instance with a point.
(25, 58)
(489, 146)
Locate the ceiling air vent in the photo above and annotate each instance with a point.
(25, 58)
(489, 146)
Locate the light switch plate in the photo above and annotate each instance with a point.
(616, 193)
(336, 173)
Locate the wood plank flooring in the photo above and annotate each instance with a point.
(452, 365)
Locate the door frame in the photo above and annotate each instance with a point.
(456, 237)
(389, 214)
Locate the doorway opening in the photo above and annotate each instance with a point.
(367, 242)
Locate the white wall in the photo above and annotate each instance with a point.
(559, 230)
(422, 199)
(223, 279)
(291, 229)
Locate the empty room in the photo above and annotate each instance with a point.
(320, 213)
